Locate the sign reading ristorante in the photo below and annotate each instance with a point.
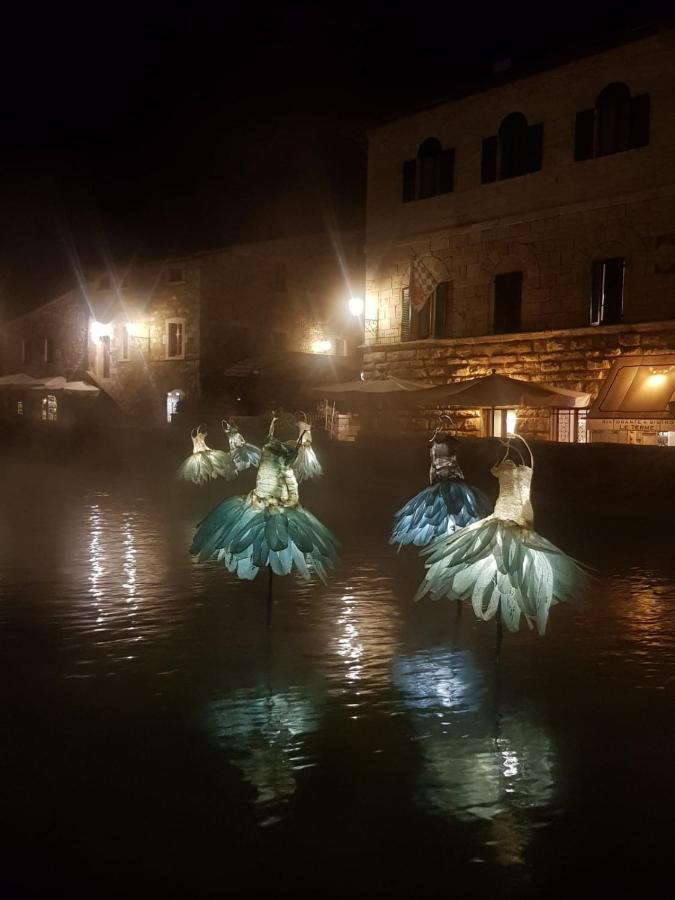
(632, 424)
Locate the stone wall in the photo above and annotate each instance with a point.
(269, 296)
(550, 225)
(577, 359)
(63, 322)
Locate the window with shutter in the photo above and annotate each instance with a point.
(583, 134)
(607, 281)
(639, 121)
(428, 166)
(617, 123)
(441, 310)
(507, 302)
(488, 165)
(447, 172)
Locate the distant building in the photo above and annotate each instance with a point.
(164, 333)
(538, 218)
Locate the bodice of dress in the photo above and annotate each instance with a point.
(443, 453)
(234, 438)
(276, 482)
(513, 502)
(199, 442)
(305, 436)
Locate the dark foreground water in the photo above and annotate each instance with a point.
(158, 740)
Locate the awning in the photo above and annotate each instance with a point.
(294, 366)
(388, 385)
(638, 387)
(500, 392)
(20, 380)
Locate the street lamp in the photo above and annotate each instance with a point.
(369, 323)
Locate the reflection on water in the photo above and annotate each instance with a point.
(356, 691)
(263, 736)
(477, 763)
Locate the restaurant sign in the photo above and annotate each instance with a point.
(648, 425)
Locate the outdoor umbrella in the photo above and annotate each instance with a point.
(495, 392)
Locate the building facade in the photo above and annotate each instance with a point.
(160, 334)
(538, 221)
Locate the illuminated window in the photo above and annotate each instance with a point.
(49, 408)
(503, 422)
(607, 279)
(570, 426)
(507, 303)
(19, 407)
(175, 339)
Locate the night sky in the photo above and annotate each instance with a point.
(153, 132)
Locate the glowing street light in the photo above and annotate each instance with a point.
(356, 306)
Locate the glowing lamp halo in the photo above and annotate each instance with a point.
(356, 306)
(321, 346)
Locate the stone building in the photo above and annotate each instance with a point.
(541, 215)
(157, 334)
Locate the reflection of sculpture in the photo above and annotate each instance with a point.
(501, 564)
(447, 504)
(477, 765)
(268, 527)
(205, 463)
(265, 738)
(243, 455)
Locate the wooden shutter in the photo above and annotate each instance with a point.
(488, 166)
(447, 171)
(441, 310)
(597, 280)
(583, 134)
(639, 121)
(405, 314)
(535, 146)
(409, 176)
(612, 305)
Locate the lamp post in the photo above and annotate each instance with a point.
(369, 325)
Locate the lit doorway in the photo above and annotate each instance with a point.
(173, 402)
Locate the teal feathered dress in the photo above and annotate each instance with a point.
(268, 527)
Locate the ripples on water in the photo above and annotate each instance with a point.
(361, 727)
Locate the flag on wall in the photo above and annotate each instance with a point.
(422, 283)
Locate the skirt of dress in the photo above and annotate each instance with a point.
(247, 538)
(438, 510)
(207, 464)
(245, 456)
(499, 565)
(306, 465)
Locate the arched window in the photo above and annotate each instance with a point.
(515, 150)
(617, 122)
(430, 173)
